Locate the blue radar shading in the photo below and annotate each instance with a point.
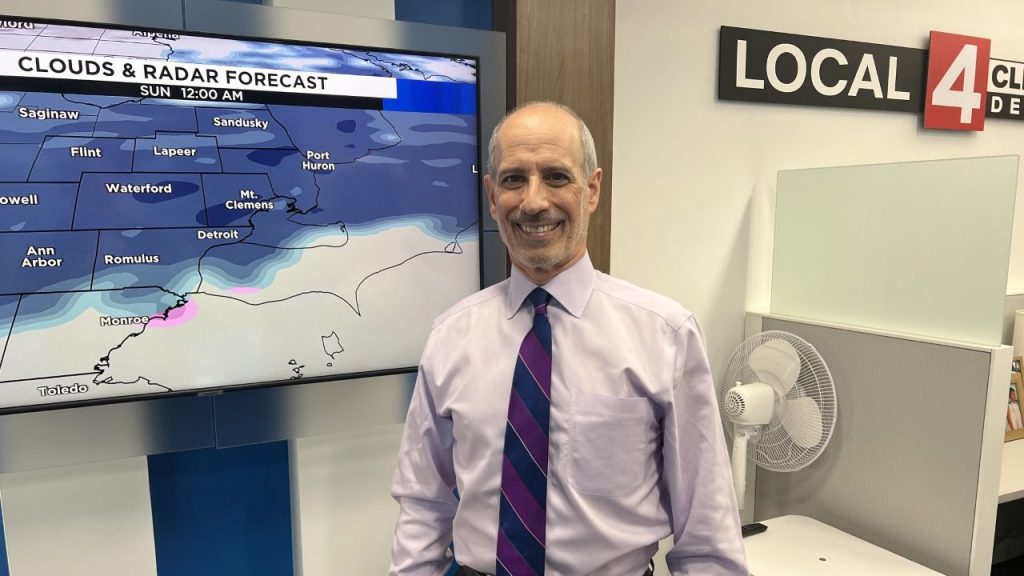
(145, 302)
(243, 264)
(177, 153)
(46, 261)
(36, 308)
(242, 128)
(431, 172)
(128, 302)
(139, 200)
(135, 258)
(141, 301)
(284, 169)
(39, 310)
(60, 102)
(8, 306)
(16, 161)
(315, 131)
(8, 100)
(233, 198)
(278, 228)
(36, 206)
(132, 119)
(40, 115)
(40, 307)
(98, 100)
(64, 159)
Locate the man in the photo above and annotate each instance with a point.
(634, 449)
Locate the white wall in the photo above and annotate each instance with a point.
(88, 520)
(690, 171)
(343, 515)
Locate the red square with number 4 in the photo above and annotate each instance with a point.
(957, 87)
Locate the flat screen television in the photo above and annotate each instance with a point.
(184, 212)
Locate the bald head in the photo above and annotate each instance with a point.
(587, 150)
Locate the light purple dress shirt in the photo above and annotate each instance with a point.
(636, 452)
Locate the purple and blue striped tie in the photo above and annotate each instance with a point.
(524, 469)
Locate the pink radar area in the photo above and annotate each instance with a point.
(175, 317)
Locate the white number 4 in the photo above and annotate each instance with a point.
(967, 100)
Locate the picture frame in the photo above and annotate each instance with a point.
(1014, 429)
(1017, 365)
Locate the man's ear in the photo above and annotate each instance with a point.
(489, 187)
(594, 191)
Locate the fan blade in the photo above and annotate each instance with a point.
(802, 421)
(777, 364)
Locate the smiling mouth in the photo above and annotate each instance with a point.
(539, 228)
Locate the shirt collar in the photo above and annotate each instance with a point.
(571, 288)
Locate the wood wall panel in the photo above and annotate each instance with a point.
(564, 50)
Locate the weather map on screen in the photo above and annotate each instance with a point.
(185, 212)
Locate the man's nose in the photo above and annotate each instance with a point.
(535, 196)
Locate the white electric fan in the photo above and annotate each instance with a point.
(779, 404)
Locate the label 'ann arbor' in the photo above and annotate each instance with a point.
(41, 257)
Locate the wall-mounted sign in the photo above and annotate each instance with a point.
(956, 88)
(761, 66)
(955, 84)
(1005, 89)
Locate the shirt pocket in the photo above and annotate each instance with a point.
(612, 441)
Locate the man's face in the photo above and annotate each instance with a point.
(539, 196)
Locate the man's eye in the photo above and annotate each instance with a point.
(557, 179)
(512, 180)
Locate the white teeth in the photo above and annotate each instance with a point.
(538, 229)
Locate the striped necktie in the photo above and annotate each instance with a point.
(524, 469)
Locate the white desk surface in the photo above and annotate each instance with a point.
(802, 546)
(1011, 478)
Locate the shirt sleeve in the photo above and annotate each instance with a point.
(423, 487)
(705, 518)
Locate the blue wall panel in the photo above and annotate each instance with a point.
(4, 570)
(222, 511)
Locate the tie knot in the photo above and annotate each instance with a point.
(540, 298)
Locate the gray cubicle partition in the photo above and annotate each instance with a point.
(913, 465)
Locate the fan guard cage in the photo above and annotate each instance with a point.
(774, 448)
